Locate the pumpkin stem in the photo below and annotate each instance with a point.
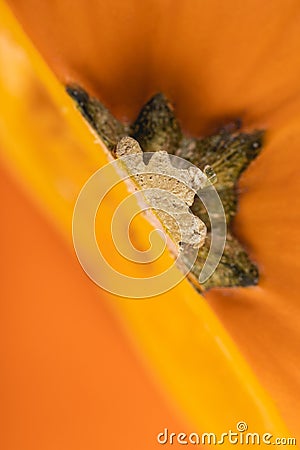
(156, 127)
(101, 120)
(223, 156)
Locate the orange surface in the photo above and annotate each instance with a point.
(69, 378)
(215, 61)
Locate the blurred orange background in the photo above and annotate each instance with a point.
(84, 370)
(69, 376)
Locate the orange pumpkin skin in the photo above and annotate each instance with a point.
(216, 62)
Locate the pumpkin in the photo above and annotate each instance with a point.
(234, 355)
